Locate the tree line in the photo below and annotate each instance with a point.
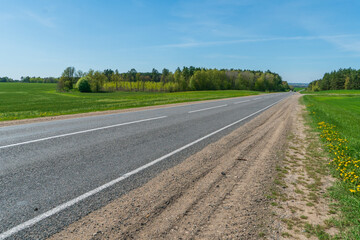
(28, 79)
(185, 79)
(6, 79)
(347, 78)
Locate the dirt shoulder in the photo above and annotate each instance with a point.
(218, 193)
(300, 199)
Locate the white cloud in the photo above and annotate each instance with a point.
(45, 21)
(347, 44)
(331, 38)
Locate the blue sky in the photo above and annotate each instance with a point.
(300, 40)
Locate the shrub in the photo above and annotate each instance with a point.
(83, 85)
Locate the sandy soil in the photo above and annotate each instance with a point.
(305, 179)
(218, 193)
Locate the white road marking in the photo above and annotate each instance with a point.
(72, 202)
(257, 98)
(204, 109)
(241, 101)
(79, 132)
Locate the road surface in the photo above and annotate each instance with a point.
(53, 173)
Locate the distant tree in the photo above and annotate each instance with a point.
(138, 77)
(192, 70)
(347, 83)
(116, 77)
(96, 80)
(155, 75)
(232, 75)
(337, 80)
(83, 85)
(132, 75)
(186, 73)
(177, 75)
(6, 79)
(67, 79)
(79, 74)
(198, 80)
(108, 73)
(260, 83)
(25, 79)
(165, 75)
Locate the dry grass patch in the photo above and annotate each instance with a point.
(302, 180)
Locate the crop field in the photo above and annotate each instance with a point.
(336, 114)
(24, 100)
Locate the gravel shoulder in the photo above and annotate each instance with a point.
(218, 193)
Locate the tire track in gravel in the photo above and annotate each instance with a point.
(217, 193)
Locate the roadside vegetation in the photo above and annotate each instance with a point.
(297, 89)
(187, 79)
(23, 100)
(343, 79)
(336, 116)
(334, 92)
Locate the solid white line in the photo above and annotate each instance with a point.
(241, 101)
(79, 132)
(72, 202)
(204, 109)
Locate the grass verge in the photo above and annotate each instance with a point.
(334, 92)
(24, 100)
(337, 118)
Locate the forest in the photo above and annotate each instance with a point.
(6, 79)
(31, 79)
(185, 79)
(348, 79)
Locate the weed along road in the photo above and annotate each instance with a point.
(53, 173)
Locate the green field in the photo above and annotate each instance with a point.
(334, 92)
(342, 109)
(24, 100)
(298, 89)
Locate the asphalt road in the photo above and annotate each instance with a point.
(53, 173)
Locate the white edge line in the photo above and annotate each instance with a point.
(79, 132)
(203, 109)
(241, 101)
(72, 202)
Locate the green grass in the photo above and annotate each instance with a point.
(24, 100)
(342, 109)
(334, 92)
(299, 88)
